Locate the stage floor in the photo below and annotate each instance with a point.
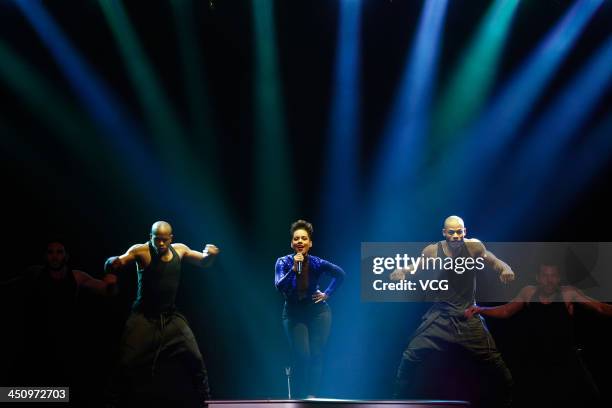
(336, 403)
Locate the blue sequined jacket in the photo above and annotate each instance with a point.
(285, 278)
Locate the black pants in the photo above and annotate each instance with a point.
(440, 332)
(146, 342)
(307, 327)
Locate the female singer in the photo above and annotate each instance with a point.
(306, 315)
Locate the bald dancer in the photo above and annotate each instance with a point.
(155, 329)
(444, 325)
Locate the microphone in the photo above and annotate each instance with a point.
(299, 267)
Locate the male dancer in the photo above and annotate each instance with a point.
(553, 365)
(155, 329)
(56, 269)
(444, 325)
(51, 334)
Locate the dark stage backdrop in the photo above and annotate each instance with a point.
(187, 148)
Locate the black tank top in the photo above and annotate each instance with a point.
(550, 329)
(54, 308)
(461, 287)
(158, 284)
(57, 295)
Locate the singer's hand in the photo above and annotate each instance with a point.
(297, 258)
(319, 296)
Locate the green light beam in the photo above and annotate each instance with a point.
(274, 210)
(472, 80)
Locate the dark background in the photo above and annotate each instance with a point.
(51, 189)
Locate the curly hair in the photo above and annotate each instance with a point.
(301, 224)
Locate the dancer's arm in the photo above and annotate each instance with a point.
(115, 263)
(576, 295)
(503, 311)
(506, 274)
(202, 259)
(104, 287)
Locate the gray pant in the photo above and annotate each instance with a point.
(145, 341)
(442, 332)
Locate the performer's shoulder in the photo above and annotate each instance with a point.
(180, 248)
(432, 249)
(76, 272)
(316, 260)
(474, 242)
(474, 245)
(139, 249)
(529, 289)
(285, 258)
(568, 291)
(526, 294)
(80, 276)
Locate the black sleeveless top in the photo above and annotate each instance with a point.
(58, 294)
(158, 284)
(461, 287)
(550, 329)
(53, 310)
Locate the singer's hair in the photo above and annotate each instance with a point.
(301, 224)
